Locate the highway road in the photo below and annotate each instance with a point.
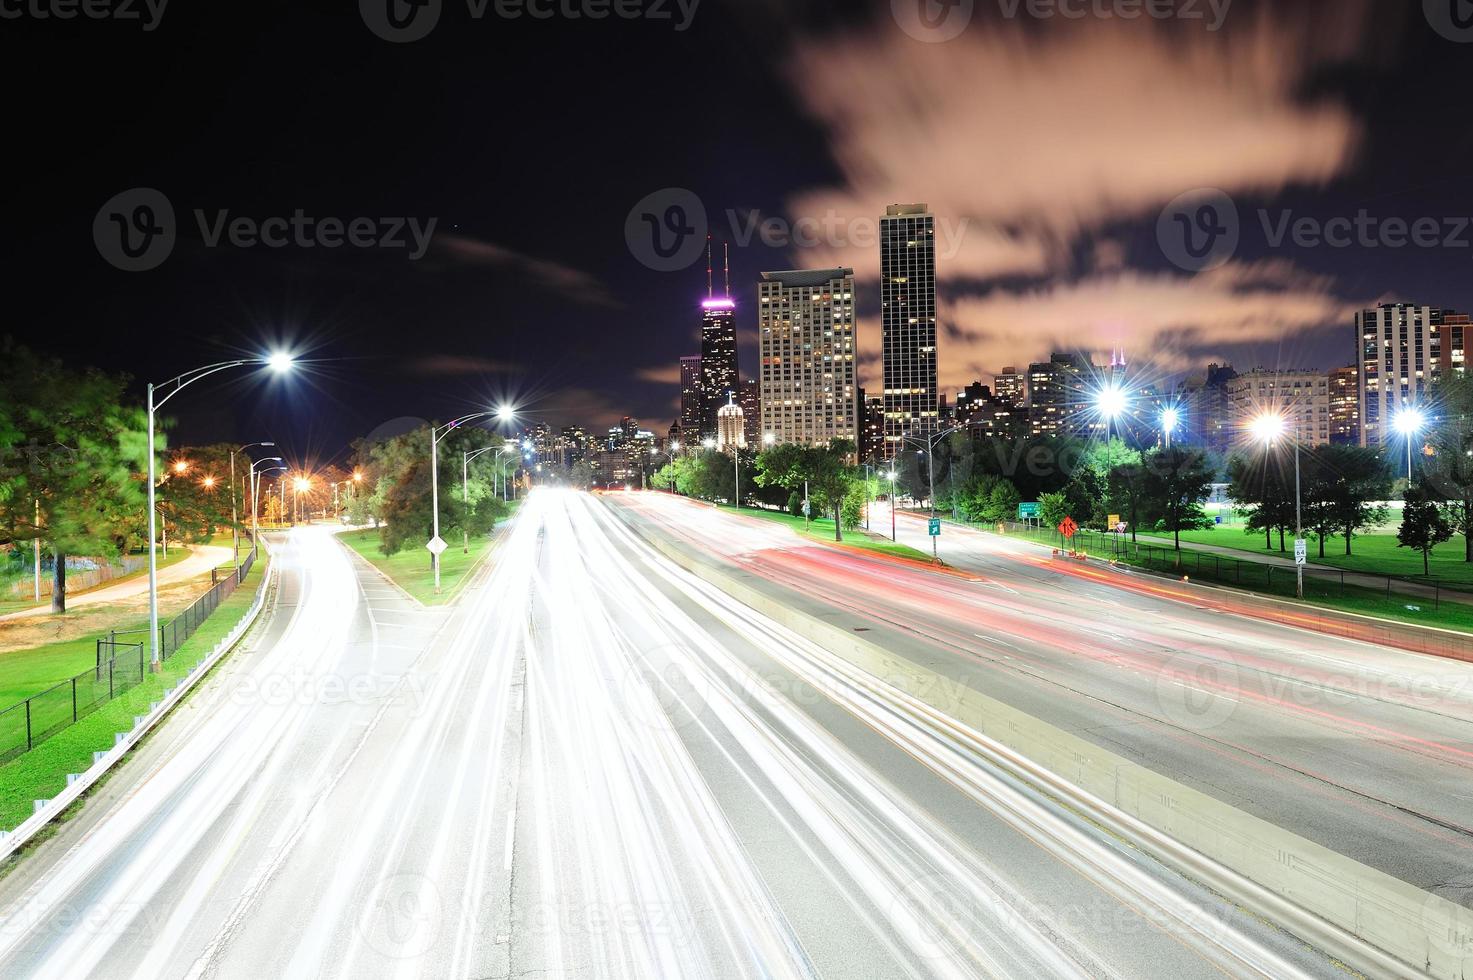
(593, 765)
(1367, 750)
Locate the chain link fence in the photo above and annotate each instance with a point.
(122, 664)
(1320, 581)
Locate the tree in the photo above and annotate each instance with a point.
(825, 469)
(1002, 502)
(1343, 487)
(1450, 469)
(73, 448)
(1423, 524)
(1263, 485)
(1053, 508)
(1128, 486)
(1178, 480)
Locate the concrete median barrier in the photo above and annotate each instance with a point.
(1376, 923)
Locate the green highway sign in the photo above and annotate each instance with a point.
(935, 527)
(1026, 511)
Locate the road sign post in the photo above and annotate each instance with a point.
(1301, 552)
(935, 527)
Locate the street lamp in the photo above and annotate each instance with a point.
(255, 479)
(504, 413)
(1170, 418)
(1110, 401)
(299, 486)
(1268, 429)
(465, 490)
(930, 454)
(234, 517)
(891, 475)
(279, 363)
(1409, 422)
(769, 438)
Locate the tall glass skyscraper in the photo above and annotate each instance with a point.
(719, 380)
(908, 321)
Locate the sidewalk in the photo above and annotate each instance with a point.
(202, 558)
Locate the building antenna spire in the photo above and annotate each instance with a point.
(710, 289)
(726, 260)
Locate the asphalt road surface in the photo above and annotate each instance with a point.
(1365, 749)
(594, 765)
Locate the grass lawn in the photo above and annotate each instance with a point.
(41, 773)
(823, 530)
(1376, 554)
(410, 569)
(1318, 592)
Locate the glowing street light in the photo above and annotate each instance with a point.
(769, 438)
(1269, 428)
(280, 363)
(1110, 401)
(1170, 419)
(1410, 422)
(208, 483)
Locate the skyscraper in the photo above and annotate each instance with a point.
(805, 331)
(1057, 388)
(1301, 397)
(731, 428)
(908, 320)
(1344, 406)
(1010, 387)
(691, 403)
(1402, 353)
(751, 402)
(719, 380)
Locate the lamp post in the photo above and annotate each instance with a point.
(234, 517)
(1409, 422)
(1110, 402)
(504, 413)
(1170, 418)
(280, 363)
(1269, 428)
(465, 490)
(930, 440)
(255, 478)
(891, 474)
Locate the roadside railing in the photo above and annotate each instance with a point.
(122, 664)
(1320, 581)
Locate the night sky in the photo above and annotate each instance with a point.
(1052, 144)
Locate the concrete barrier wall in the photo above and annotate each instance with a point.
(1429, 934)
